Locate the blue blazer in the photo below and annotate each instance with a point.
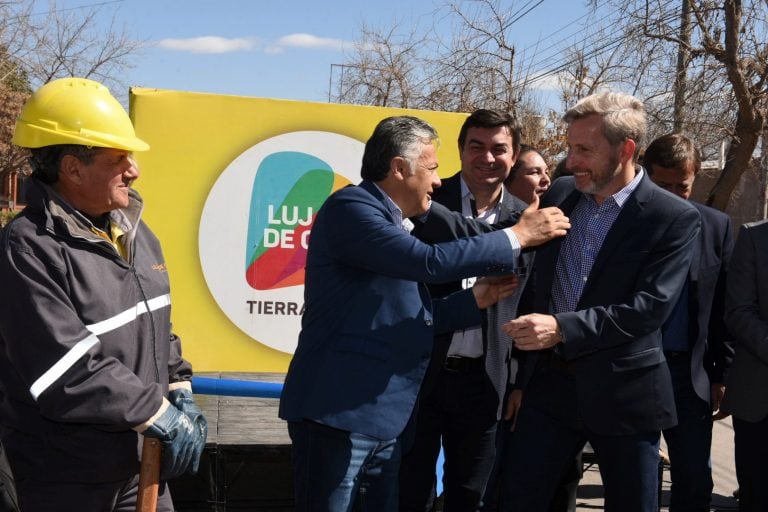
(613, 339)
(368, 323)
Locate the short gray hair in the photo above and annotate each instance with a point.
(403, 136)
(623, 116)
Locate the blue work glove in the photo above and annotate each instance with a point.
(183, 443)
(182, 399)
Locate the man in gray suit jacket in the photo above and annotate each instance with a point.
(746, 392)
(462, 396)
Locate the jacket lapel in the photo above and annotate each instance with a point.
(449, 193)
(547, 256)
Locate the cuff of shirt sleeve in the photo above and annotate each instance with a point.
(182, 384)
(514, 243)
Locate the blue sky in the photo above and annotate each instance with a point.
(285, 48)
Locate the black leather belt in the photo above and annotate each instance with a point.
(461, 364)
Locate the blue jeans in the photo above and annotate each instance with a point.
(689, 442)
(339, 471)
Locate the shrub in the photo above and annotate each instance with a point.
(6, 216)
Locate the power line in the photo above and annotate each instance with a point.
(527, 8)
(597, 47)
(548, 60)
(520, 16)
(515, 17)
(557, 44)
(79, 7)
(568, 24)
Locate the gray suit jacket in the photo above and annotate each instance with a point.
(746, 315)
(497, 349)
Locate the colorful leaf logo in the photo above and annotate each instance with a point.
(287, 193)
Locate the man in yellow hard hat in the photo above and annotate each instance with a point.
(88, 362)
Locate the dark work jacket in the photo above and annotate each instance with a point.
(86, 350)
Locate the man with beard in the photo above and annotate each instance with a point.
(601, 295)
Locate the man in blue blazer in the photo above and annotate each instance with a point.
(601, 294)
(696, 343)
(369, 320)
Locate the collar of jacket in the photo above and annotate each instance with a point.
(64, 220)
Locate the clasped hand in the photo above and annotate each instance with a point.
(183, 430)
(534, 331)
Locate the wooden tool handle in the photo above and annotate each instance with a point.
(149, 476)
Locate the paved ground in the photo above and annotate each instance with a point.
(590, 495)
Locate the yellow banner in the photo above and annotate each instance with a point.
(231, 186)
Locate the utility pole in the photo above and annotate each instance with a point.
(681, 82)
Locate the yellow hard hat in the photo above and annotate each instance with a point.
(75, 111)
